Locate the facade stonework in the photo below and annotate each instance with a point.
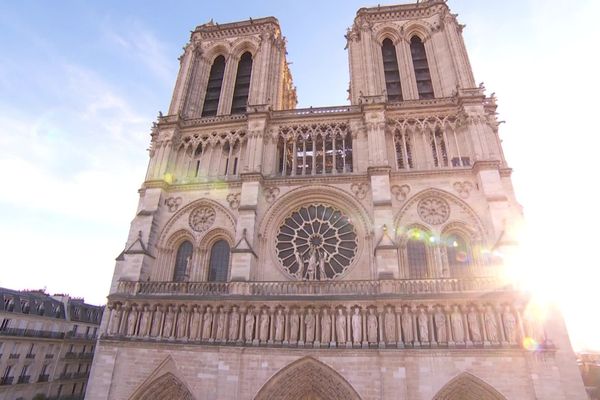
(347, 252)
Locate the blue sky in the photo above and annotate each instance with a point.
(81, 83)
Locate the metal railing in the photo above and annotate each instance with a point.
(32, 333)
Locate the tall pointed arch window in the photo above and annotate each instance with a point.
(439, 149)
(391, 71)
(213, 89)
(419, 58)
(219, 262)
(242, 84)
(183, 261)
(416, 252)
(459, 255)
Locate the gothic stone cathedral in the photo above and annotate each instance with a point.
(347, 252)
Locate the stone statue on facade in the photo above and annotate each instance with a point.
(311, 268)
(323, 258)
(131, 321)
(340, 326)
(194, 323)
(156, 322)
(491, 326)
(207, 323)
(249, 326)
(325, 327)
(389, 323)
(439, 320)
(458, 328)
(473, 322)
(407, 325)
(234, 324)
(145, 318)
(356, 326)
(294, 325)
(510, 325)
(309, 323)
(182, 323)
(279, 325)
(372, 326)
(169, 322)
(221, 319)
(115, 321)
(422, 325)
(264, 326)
(300, 262)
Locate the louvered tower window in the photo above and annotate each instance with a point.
(419, 57)
(213, 89)
(391, 72)
(182, 260)
(459, 256)
(219, 262)
(242, 84)
(417, 259)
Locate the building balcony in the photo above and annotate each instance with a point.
(14, 356)
(82, 356)
(7, 380)
(30, 356)
(32, 333)
(65, 376)
(308, 289)
(80, 336)
(23, 379)
(49, 356)
(43, 378)
(80, 375)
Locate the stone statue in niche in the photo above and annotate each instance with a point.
(407, 325)
(279, 324)
(473, 322)
(340, 326)
(356, 326)
(323, 258)
(372, 326)
(510, 325)
(220, 335)
(309, 323)
(249, 326)
(182, 322)
(156, 322)
(458, 328)
(389, 321)
(325, 327)
(264, 326)
(117, 314)
(491, 326)
(440, 325)
(234, 324)
(294, 325)
(131, 321)
(207, 323)
(422, 325)
(311, 268)
(145, 321)
(300, 262)
(194, 323)
(169, 321)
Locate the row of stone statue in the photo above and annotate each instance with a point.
(334, 327)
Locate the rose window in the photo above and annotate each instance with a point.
(316, 242)
(202, 218)
(433, 210)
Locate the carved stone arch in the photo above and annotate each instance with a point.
(178, 237)
(421, 29)
(388, 32)
(164, 383)
(216, 50)
(468, 232)
(407, 214)
(213, 235)
(467, 386)
(242, 45)
(318, 381)
(402, 233)
(184, 213)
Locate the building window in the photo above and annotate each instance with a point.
(391, 71)
(416, 252)
(213, 89)
(459, 255)
(419, 58)
(439, 151)
(182, 261)
(404, 152)
(219, 262)
(242, 84)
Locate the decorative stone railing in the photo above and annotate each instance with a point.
(384, 288)
(314, 111)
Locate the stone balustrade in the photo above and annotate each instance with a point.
(396, 287)
(361, 324)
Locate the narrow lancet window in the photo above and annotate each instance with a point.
(213, 89)
(242, 84)
(391, 72)
(183, 261)
(219, 262)
(459, 255)
(416, 252)
(419, 57)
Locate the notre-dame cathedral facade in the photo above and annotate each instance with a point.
(345, 252)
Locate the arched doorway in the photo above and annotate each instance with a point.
(307, 379)
(166, 387)
(468, 387)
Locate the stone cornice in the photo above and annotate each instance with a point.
(402, 11)
(214, 30)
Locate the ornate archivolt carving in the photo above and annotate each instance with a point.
(271, 193)
(202, 218)
(463, 188)
(400, 192)
(433, 210)
(360, 190)
(173, 203)
(234, 200)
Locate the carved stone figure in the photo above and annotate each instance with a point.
(300, 263)
(294, 325)
(439, 320)
(195, 323)
(458, 328)
(221, 319)
(423, 327)
(474, 329)
(510, 325)
(356, 326)
(312, 265)
(113, 327)
(157, 322)
(279, 324)
(491, 326)
(207, 319)
(372, 326)
(169, 321)
(340, 326)
(234, 324)
(264, 326)
(407, 325)
(325, 327)
(309, 323)
(322, 260)
(131, 321)
(145, 321)
(249, 326)
(182, 323)
(389, 323)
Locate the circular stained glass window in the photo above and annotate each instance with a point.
(316, 242)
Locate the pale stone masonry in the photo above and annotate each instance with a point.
(347, 252)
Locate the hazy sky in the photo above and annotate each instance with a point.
(81, 83)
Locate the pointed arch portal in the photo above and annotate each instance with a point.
(468, 387)
(307, 379)
(166, 387)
